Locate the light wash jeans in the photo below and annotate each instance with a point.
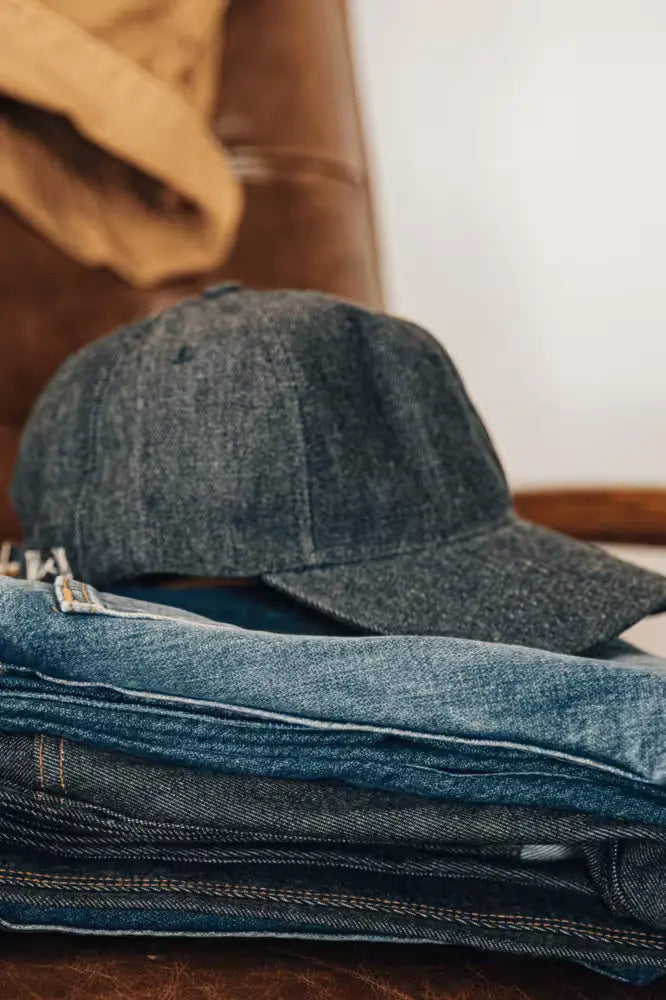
(479, 722)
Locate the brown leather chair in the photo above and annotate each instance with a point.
(289, 117)
(631, 516)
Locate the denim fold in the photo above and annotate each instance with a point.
(435, 716)
(162, 773)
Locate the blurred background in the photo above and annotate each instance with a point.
(519, 158)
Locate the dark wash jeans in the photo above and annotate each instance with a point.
(502, 907)
(351, 895)
(103, 842)
(64, 867)
(75, 802)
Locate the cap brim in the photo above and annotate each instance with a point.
(518, 584)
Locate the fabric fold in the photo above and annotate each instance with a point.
(112, 163)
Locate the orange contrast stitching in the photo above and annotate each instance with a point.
(638, 938)
(91, 606)
(66, 591)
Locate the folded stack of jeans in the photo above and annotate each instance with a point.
(162, 772)
(384, 709)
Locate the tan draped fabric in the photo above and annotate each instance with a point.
(105, 145)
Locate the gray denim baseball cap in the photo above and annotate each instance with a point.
(330, 451)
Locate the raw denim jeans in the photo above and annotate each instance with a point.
(208, 862)
(75, 802)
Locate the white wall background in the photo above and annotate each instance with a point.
(519, 149)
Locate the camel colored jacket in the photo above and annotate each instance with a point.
(105, 144)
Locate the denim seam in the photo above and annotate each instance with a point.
(50, 764)
(158, 747)
(317, 725)
(248, 747)
(451, 869)
(342, 557)
(240, 749)
(616, 882)
(635, 938)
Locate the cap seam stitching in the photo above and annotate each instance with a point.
(505, 521)
(305, 483)
(98, 395)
